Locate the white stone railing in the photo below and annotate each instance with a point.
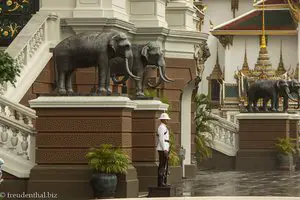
(226, 135)
(231, 117)
(17, 138)
(30, 49)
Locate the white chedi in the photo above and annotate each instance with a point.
(1, 163)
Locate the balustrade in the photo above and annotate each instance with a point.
(16, 129)
(225, 135)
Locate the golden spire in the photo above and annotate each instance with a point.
(245, 65)
(263, 66)
(217, 71)
(280, 70)
(263, 37)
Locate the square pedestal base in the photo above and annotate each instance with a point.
(155, 191)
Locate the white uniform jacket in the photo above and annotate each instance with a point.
(163, 138)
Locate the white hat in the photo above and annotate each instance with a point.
(1, 161)
(164, 116)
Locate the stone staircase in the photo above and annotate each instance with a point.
(17, 133)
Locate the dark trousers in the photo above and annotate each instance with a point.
(161, 172)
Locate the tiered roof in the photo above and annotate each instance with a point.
(278, 21)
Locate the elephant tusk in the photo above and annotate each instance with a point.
(164, 76)
(129, 72)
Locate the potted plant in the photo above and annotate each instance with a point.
(286, 149)
(106, 162)
(9, 69)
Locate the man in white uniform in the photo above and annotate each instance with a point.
(163, 147)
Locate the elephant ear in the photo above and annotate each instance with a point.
(145, 51)
(278, 84)
(113, 42)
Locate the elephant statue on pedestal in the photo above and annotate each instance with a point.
(91, 50)
(269, 90)
(147, 55)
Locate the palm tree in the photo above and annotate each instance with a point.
(204, 133)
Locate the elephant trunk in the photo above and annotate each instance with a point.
(128, 70)
(287, 91)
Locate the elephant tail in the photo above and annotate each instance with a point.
(54, 84)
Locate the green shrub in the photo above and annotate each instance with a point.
(107, 159)
(9, 69)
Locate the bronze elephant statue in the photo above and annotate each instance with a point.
(270, 90)
(146, 55)
(91, 50)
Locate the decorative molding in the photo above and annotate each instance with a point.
(150, 105)
(82, 102)
(16, 166)
(225, 40)
(267, 116)
(253, 32)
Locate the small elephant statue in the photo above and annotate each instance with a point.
(269, 90)
(146, 55)
(91, 50)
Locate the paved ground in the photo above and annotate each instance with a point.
(234, 183)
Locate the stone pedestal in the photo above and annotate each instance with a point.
(101, 8)
(161, 191)
(258, 133)
(144, 129)
(180, 15)
(66, 128)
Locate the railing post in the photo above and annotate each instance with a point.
(52, 29)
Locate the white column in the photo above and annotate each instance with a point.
(101, 8)
(148, 13)
(180, 15)
(186, 121)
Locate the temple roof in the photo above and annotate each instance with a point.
(273, 2)
(278, 21)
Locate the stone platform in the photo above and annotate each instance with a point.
(258, 133)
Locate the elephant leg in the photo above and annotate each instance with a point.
(255, 104)
(274, 103)
(265, 101)
(107, 82)
(61, 83)
(285, 103)
(102, 76)
(69, 83)
(140, 85)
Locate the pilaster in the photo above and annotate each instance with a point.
(180, 15)
(148, 13)
(101, 8)
(144, 129)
